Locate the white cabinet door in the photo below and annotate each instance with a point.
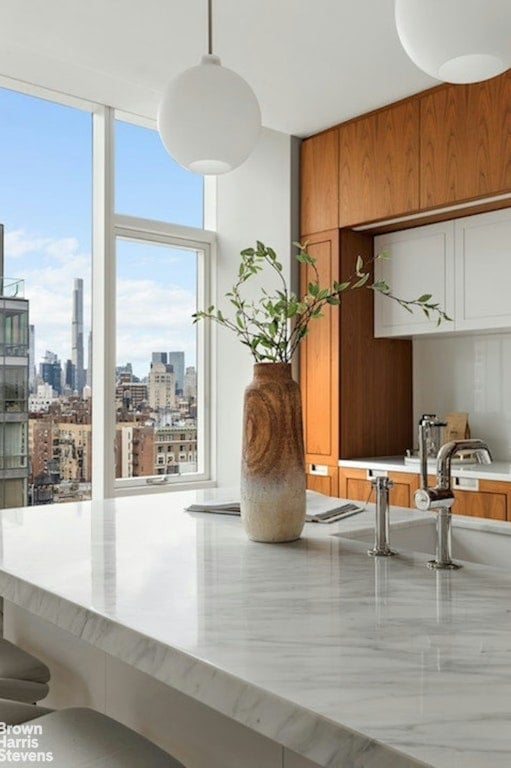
(483, 271)
(421, 260)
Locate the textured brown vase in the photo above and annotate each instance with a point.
(273, 464)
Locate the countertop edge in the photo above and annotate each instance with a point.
(294, 727)
(499, 470)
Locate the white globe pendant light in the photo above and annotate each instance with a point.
(209, 118)
(459, 41)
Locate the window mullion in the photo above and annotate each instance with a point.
(103, 307)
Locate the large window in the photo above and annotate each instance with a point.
(45, 308)
(119, 214)
(159, 431)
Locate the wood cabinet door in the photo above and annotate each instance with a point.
(319, 360)
(379, 165)
(404, 486)
(354, 485)
(319, 183)
(465, 142)
(489, 499)
(327, 484)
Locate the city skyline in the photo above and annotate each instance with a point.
(45, 150)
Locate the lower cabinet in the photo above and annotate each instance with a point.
(356, 484)
(489, 499)
(323, 479)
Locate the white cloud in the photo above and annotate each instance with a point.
(152, 314)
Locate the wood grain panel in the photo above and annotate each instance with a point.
(379, 165)
(405, 485)
(319, 363)
(327, 484)
(480, 504)
(465, 145)
(319, 198)
(375, 374)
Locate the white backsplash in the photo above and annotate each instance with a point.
(467, 373)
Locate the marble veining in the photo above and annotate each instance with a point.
(345, 659)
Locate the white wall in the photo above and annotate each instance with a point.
(255, 202)
(467, 373)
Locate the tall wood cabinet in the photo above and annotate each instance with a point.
(356, 390)
(319, 182)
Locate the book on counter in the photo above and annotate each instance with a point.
(320, 508)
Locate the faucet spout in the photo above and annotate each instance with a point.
(441, 497)
(444, 459)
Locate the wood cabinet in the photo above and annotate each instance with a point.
(379, 165)
(489, 499)
(353, 385)
(319, 182)
(421, 260)
(465, 142)
(356, 484)
(325, 481)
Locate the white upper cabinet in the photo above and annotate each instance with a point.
(421, 260)
(483, 271)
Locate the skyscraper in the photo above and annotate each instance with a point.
(159, 357)
(13, 394)
(89, 361)
(50, 370)
(177, 361)
(31, 359)
(77, 336)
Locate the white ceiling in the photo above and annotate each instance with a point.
(311, 63)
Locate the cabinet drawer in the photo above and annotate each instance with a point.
(323, 479)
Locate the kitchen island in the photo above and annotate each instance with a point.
(324, 655)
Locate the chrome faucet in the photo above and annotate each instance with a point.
(429, 424)
(441, 497)
(381, 548)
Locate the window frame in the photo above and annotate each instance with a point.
(173, 235)
(106, 226)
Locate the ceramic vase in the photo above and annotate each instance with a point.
(273, 464)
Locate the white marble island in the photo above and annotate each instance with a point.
(328, 654)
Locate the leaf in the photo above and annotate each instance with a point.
(363, 280)
(425, 297)
(313, 289)
(359, 264)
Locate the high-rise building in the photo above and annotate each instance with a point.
(77, 336)
(159, 357)
(69, 377)
(161, 387)
(14, 347)
(177, 361)
(190, 386)
(89, 361)
(31, 359)
(50, 371)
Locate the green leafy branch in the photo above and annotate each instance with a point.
(273, 327)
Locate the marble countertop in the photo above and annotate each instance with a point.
(497, 470)
(343, 658)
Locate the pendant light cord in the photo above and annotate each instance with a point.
(210, 27)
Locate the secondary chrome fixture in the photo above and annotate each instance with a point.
(441, 497)
(209, 118)
(430, 440)
(381, 528)
(456, 40)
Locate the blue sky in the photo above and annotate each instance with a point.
(45, 206)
